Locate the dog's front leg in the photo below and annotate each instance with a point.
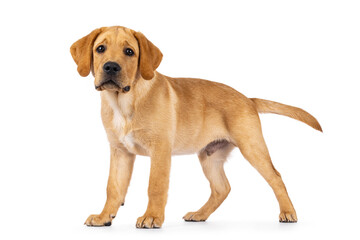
(121, 167)
(158, 189)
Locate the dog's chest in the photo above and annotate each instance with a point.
(120, 123)
(122, 126)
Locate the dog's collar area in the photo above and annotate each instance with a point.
(126, 89)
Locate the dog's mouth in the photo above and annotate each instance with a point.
(108, 85)
(112, 86)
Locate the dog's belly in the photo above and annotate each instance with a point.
(184, 151)
(211, 141)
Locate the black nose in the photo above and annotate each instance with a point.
(111, 68)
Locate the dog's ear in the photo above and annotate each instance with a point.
(150, 56)
(81, 51)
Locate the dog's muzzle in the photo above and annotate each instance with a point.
(111, 71)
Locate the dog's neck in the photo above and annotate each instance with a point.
(126, 102)
(141, 88)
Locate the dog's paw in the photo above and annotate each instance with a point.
(148, 221)
(98, 220)
(288, 217)
(195, 217)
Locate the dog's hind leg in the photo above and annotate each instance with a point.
(212, 161)
(247, 135)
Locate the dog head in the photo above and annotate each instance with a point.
(117, 57)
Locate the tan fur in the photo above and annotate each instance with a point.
(266, 106)
(161, 116)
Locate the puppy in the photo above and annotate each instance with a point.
(147, 113)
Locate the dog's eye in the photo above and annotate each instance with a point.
(100, 49)
(129, 51)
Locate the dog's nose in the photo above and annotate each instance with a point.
(111, 68)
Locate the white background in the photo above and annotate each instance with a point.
(54, 156)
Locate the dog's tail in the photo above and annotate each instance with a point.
(266, 106)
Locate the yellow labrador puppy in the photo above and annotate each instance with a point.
(147, 113)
